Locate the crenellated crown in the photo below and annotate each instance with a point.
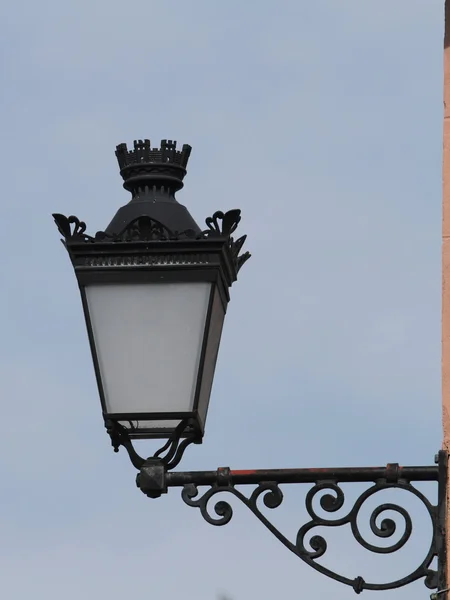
(144, 153)
(145, 166)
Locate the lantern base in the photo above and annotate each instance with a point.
(169, 456)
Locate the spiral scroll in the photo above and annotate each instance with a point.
(330, 503)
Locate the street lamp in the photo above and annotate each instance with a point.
(155, 289)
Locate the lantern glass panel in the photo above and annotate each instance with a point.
(148, 340)
(211, 353)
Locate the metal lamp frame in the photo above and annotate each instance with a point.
(145, 251)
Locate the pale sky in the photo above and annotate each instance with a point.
(322, 122)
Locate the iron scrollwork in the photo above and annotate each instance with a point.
(229, 222)
(332, 501)
(141, 229)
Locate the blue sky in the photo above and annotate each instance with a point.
(322, 122)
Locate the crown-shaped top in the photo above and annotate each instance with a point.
(144, 153)
(147, 168)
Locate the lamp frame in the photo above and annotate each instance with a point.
(145, 251)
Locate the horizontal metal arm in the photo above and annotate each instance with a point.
(224, 476)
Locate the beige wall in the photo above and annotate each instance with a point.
(446, 249)
(446, 238)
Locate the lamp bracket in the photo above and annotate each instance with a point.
(323, 499)
(169, 456)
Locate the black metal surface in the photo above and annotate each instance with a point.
(392, 472)
(151, 479)
(441, 534)
(169, 455)
(328, 480)
(144, 229)
(153, 176)
(145, 166)
(119, 437)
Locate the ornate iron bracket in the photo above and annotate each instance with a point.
(325, 480)
(164, 459)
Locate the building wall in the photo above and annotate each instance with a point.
(446, 251)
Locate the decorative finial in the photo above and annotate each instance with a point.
(144, 153)
(146, 166)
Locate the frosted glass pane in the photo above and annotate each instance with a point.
(212, 350)
(148, 339)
